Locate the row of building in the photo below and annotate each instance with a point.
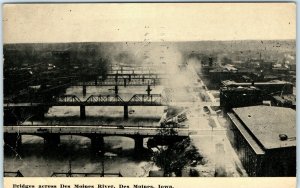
(278, 93)
(265, 139)
(262, 133)
(261, 111)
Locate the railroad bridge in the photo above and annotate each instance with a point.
(51, 134)
(124, 79)
(93, 100)
(119, 82)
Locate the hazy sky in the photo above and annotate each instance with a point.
(155, 22)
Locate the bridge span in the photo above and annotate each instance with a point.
(119, 82)
(94, 100)
(107, 130)
(123, 79)
(51, 134)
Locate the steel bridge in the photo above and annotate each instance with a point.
(136, 75)
(95, 100)
(124, 79)
(98, 100)
(119, 82)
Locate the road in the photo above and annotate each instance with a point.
(208, 133)
(79, 130)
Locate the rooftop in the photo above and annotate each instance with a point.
(266, 123)
(257, 149)
(273, 82)
(285, 98)
(240, 88)
(226, 70)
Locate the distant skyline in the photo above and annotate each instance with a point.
(55, 23)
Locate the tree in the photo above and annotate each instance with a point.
(174, 152)
(174, 157)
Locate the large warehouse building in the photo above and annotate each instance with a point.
(265, 139)
(272, 87)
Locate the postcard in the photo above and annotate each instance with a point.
(149, 95)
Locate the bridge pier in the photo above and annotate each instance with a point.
(125, 112)
(82, 112)
(84, 90)
(17, 112)
(40, 112)
(116, 90)
(13, 140)
(97, 143)
(52, 140)
(138, 144)
(96, 81)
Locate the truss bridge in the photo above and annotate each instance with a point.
(96, 100)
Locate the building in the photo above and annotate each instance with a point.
(264, 138)
(220, 74)
(232, 97)
(272, 87)
(62, 59)
(288, 101)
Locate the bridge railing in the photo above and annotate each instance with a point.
(85, 174)
(119, 82)
(67, 99)
(104, 99)
(82, 130)
(99, 100)
(145, 99)
(13, 174)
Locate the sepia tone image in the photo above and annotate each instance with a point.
(149, 90)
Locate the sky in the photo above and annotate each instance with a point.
(49, 23)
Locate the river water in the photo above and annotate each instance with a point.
(35, 160)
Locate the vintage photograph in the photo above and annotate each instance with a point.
(149, 90)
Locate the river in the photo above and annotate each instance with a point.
(35, 160)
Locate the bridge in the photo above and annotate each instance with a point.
(51, 134)
(141, 78)
(94, 100)
(137, 68)
(136, 76)
(108, 100)
(112, 83)
(118, 82)
(123, 79)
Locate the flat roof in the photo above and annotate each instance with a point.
(224, 70)
(240, 88)
(285, 98)
(256, 148)
(267, 122)
(273, 82)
